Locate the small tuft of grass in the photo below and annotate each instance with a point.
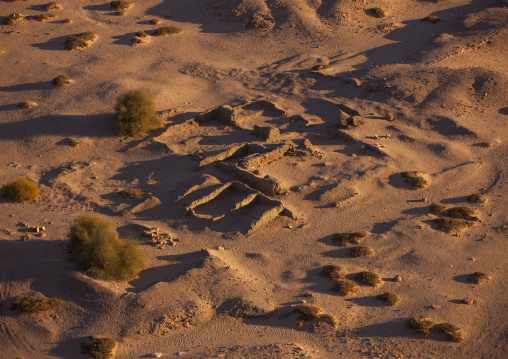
(344, 287)
(34, 304)
(135, 114)
(101, 348)
(451, 224)
(422, 324)
(369, 278)
(389, 297)
(361, 251)
(132, 193)
(80, 41)
(44, 17)
(378, 12)
(332, 272)
(61, 81)
(167, 30)
(438, 208)
(479, 277)
(51, 6)
(13, 19)
(487, 144)
(96, 248)
(20, 190)
(451, 331)
(344, 239)
(68, 21)
(142, 34)
(73, 142)
(431, 19)
(320, 67)
(415, 180)
(155, 22)
(460, 212)
(477, 198)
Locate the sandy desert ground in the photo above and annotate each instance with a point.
(255, 189)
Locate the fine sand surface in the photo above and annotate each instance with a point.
(227, 287)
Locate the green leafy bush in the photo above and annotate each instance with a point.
(20, 190)
(33, 304)
(135, 114)
(98, 251)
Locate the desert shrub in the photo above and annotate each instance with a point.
(13, 19)
(451, 331)
(43, 17)
(310, 313)
(68, 21)
(135, 113)
(438, 208)
(121, 5)
(477, 198)
(329, 319)
(389, 297)
(80, 41)
(155, 22)
(361, 251)
(98, 251)
(479, 277)
(132, 193)
(319, 67)
(415, 179)
(51, 6)
(422, 324)
(378, 12)
(368, 278)
(61, 81)
(344, 239)
(451, 224)
(20, 190)
(431, 19)
(332, 272)
(344, 287)
(73, 142)
(307, 312)
(142, 34)
(33, 304)
(101, 348)
(460, 212)
(167, 30)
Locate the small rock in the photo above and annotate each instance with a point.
(220, 248)
(353, 81)
(27, 104)
(157, 355)
(397, 278)
(389, 116)
(468, 301)
(425, 200)
(434, 306)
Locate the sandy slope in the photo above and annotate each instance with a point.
(445, 83)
